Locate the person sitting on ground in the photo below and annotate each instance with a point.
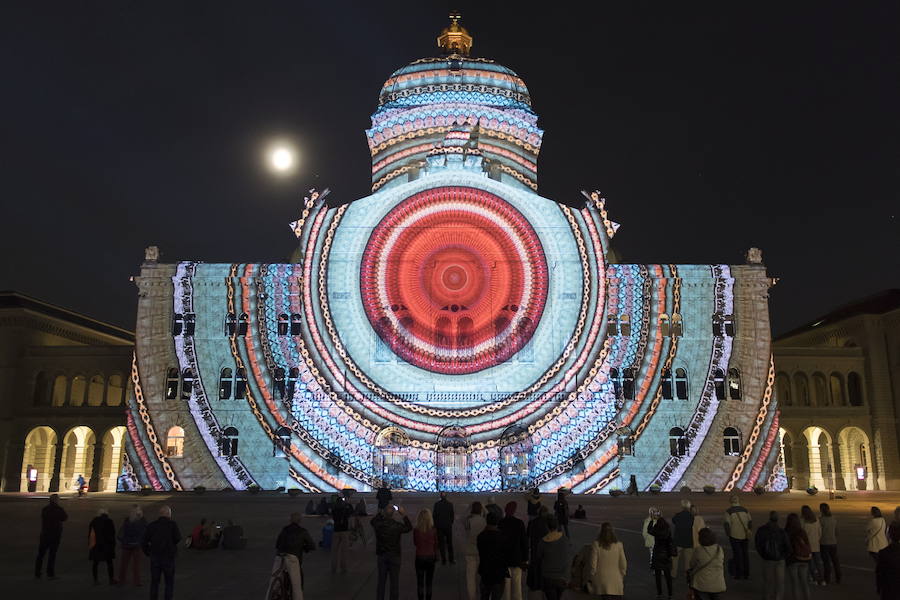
(198, 538)
(212, 532)
(233, 537)
(579, 513)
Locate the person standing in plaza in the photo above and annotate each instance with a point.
(699, 523)
(425, 539)
(887, 568)
(738, 526)
(828, 544)
(443, 522)
(706, 574)
(515, 551)
(493, 508)
(798, 558)
(683, 536)
(102, 544)
(561, 509)
(554, 555)
(160, 543)
(536, 530)
(813, 530)
(340, 537)
(773, 548)
(293, 541)
(383, 496)
(131, 533)
(533, 506)
(661, 559)
(653, 516)
(387, 548)
(52, 518)
(607, 565)
(876, 538)
(491, 559)
(474, 525)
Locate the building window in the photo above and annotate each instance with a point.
(175, 442)
(667, 384)
(677, 442)
(59, 390)
(187, 384)
(230, 324)
(295, 324)
(293, 376)
(836, 383)
(95, 391)
(115, 388)
(190, 324)
(801, 384)
(732, 441)
(677, 326)
(240, 384)
(225, 384)
(664, 328)
(820, 390)
(229, 442)
(243, 324)
(177, 324)
(734, 384)
(617, 383)
(681, 384)
(719, 384)
(717, 329)
(78, 391)
(854, 389)
(728, 325)
(783, 389)
(282, 443)
(612, 326)
(41, 390)
(172, 384)
(278, 383)
(628, 384)
(625, 325)
(282, 324)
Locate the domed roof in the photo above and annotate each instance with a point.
(454, 78)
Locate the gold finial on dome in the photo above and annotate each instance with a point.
(455, 39)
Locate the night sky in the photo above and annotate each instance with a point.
(708, 131)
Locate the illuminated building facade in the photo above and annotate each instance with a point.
(454, 330)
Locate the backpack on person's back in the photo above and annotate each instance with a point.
(800, 548)
(581, 565)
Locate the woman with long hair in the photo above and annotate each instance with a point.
(876, 533)
(425, 540)
(828, 544)
(706, 573)
(799, 555)
(607, 565)
(474, 525)
(813, 530)
(661, 558)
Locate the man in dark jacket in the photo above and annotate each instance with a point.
(515, 551)
(383, 496)
(887, 568)
(387, 548)
(491, 559)
(683, 536)
(340, 538)
(773, 547)
(52, 517)
(561, 509)
(161, 544)
(443, 523)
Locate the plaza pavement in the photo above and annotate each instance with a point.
(222, 575)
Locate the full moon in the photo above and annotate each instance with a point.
(282, 159)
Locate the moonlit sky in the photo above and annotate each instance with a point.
(709, 130)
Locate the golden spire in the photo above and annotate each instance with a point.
(455, 39)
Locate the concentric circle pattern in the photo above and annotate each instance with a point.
(454, 280)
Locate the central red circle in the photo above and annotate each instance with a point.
(454, 280)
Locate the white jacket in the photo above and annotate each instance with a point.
(876, 538)
(474, 524)
(708, 569)
(649, 540)
(813, 534)
(608, 566)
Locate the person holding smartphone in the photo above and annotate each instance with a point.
(388, 531)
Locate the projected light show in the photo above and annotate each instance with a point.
(454, 330)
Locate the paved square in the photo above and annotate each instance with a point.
(221, 575)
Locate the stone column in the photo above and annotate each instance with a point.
(96, 467)
(57, 465)
(13, 455)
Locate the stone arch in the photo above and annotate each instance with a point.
(836, 388)
(783, 389)
(175, 442)
(115, 390)
(453, 458)
(111, 459)
(40, 454)
(77, 457)
(820, 457)
(515, 458)
(786, 440)
(390, 457)
(801, 385)
(856, 453)
(60, 391)
(854, 389)
(820, 390)
(78, 391)
(41, 395)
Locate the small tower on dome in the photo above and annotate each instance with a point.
(455, 39)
